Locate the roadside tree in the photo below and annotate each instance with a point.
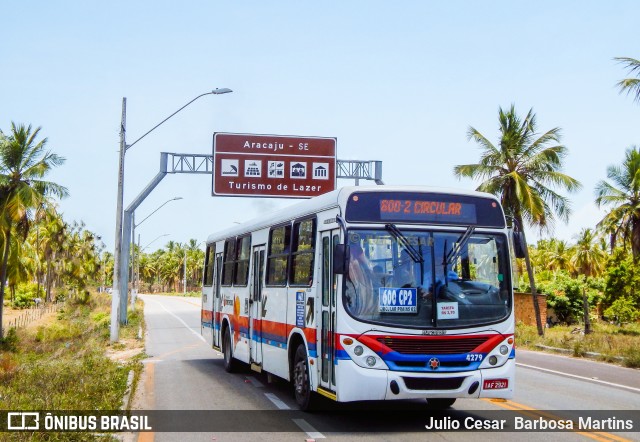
(522, 171)
(623, 196)
(24, 162)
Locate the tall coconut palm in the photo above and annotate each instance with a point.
(522, 171)
(24, 163)
(588, 256)
(630, 85)
(623, 196)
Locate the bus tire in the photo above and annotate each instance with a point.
(229, 361)
(440, 403)
(301, 381)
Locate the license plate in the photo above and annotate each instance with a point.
(495, 384)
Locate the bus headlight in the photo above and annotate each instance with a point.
(362, 355)
(499, 355)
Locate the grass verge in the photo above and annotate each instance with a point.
(607, 342)
(67, 363)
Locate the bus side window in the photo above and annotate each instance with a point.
(278, 256)
(208, 265)
(241, 271)
(303, 251)
(229, 261)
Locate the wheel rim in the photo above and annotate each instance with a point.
(300, 375)
(227, 349)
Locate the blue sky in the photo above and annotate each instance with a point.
(399, 82)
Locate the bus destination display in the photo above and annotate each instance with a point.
(420, 210)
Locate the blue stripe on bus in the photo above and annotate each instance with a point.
(267, 339)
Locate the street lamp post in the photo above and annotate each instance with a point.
(117, 272)
(134, 286)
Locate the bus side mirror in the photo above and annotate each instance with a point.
(340, 259)
(519, 245)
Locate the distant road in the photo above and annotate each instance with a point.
(579, 368)
(183, 373)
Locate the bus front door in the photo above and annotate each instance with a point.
(255, 308)
(327, 323)
(217, 300)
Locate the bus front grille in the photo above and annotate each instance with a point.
(432, 346)
(433, 383)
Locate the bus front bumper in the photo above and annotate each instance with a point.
(355, 383)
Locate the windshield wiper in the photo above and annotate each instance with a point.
(399, 236)
(462, 241)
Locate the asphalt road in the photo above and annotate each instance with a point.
(183, 373)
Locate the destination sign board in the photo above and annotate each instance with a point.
(424, 207)
(278, 166)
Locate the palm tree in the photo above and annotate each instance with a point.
(630, 85)
(521, 171)
(23, 165)
(588, 256)
(558, 256)
(624, 200)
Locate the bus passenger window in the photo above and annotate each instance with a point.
(303, 252)
(241, 274)
(229, 261)
(208, 265)
(278, 256)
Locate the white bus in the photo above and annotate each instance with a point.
(369, 293)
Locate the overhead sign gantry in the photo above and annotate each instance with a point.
(273, 165)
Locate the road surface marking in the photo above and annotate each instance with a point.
(149, 379)
(611, 384)
(307, 428)
(192, 303)
(533, 413)
(185, 324)
(277, 402)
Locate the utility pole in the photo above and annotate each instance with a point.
(115, 295)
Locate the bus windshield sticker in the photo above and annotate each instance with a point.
(447, 310)
(397, 300)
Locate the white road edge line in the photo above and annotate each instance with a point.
(307, 428)
(185, 324)
(277, 402)
(578, 377)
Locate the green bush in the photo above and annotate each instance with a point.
(564, 295)
(26, 293)
(623, 310)
(10, 341)
(622, 279)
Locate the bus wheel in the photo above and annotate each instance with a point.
(229, 362)
(440, 403)
(301, 382)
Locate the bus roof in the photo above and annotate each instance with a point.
(336, 198)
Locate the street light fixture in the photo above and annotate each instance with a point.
(115, 302)
(149, 215)
(161, 236)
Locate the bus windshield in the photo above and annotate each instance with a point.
(427, 278)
